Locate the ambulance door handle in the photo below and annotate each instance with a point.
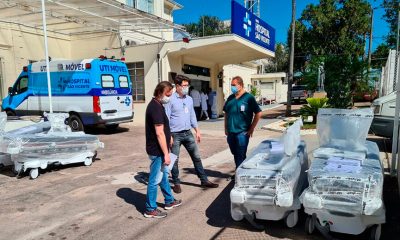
(110, 111)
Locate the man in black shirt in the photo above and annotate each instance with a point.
(158, 143)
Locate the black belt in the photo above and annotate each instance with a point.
(183, 131)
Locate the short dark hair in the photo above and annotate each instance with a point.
(239, 80)
(180, 78)
(161, 87)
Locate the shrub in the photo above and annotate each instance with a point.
(311, 109)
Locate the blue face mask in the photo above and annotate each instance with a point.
(234, 89)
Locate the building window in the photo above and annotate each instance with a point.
(267, 85)
(145, 5)
(136, 72)
(131, 3)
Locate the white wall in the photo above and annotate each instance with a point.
(20, 44)
(278, 92)
(230, 71)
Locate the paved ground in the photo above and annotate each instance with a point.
(106, 200)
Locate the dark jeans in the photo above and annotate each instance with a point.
(197, 110)
(186, 139)
(238, 143)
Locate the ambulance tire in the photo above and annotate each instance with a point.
(112, 126)
(75, 123)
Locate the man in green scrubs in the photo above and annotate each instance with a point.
(242, 114)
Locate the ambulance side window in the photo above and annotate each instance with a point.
(123, 82)
(21, 85)
(107, 81)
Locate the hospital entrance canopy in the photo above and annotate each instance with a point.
(75, 17)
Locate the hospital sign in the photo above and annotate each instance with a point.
(249, 26)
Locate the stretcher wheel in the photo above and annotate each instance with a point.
(291, 219)
(375, 233)
(88, 161)
(236, 215)
(310, 225)
(34, 173)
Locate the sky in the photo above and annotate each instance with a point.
(277, 13)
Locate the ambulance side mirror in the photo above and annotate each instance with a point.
(10, 91)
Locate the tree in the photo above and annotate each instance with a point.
(281, 61)
(390, 16)
(380, 55)
(332, 32)
(207, 26)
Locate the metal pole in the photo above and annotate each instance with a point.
(290, 77)
(395, 139)
(370, 40)
(47, 55)
(203, 26)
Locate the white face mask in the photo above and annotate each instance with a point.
(165, 100)
(185, 90)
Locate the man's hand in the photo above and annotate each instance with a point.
(198, 136)
(167, 160)
(250, 132)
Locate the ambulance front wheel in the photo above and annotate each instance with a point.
(34, 173)
(75, 123)
(375, 232)
(292, 218)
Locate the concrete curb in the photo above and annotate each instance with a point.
(278, 127)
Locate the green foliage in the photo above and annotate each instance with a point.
(212, 26)
(331, 28)
(380, 55)
(254, 91)
(281, 61)
(311, 109)
(390, 16)
(333, 33)
(342, 74)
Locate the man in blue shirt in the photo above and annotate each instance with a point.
(182, 118)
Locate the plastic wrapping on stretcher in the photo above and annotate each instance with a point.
(346, 189)
(45, 143)
(346, 174)
(59, 141)
(344, 129)
(273, 175)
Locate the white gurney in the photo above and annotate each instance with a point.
(31, 149)
(269, 182)
(345, 177)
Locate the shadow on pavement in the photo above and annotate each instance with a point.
(136, 199)
(391, 198)
(142, 177)
(101, 130)
(218, 214)
(209, 173)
